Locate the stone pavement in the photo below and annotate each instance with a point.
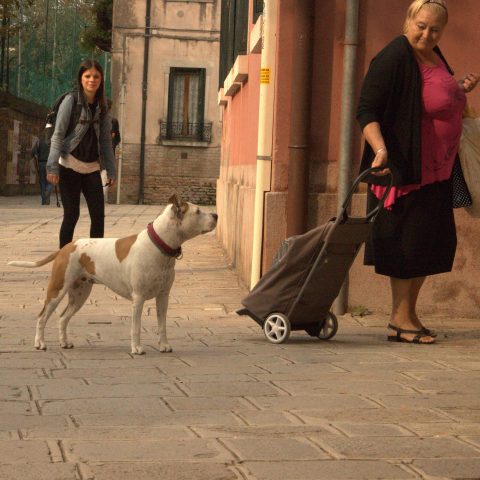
(226, 404)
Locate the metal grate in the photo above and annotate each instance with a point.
(200, 132)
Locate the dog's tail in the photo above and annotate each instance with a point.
(39, 263)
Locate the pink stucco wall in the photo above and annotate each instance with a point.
(379, 22)
(241, 117)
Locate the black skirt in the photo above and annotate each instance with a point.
(417, 237)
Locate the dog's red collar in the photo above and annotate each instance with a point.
(161, 245)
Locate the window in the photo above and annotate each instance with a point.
(186, 105)
(257, 9)
(233, 34)
(192, 1)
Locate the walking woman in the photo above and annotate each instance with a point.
(77, 157)
(410, 112)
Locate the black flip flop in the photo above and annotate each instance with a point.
(419, 334)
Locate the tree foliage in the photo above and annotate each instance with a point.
(41, 45)
(99, 34)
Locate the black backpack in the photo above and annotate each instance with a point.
(52, 116)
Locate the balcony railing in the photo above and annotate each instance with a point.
(196, 132)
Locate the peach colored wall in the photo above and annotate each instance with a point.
(380, 21)
(459, 42)
(455, 293)
(242, 115)
(236, 183)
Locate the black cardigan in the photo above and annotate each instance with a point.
(392, 96)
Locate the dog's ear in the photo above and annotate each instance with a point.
(183, 207)
(176, 206)
(174, 200)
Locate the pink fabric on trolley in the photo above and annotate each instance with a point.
(443, 102)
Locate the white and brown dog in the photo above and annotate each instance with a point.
(138, 267)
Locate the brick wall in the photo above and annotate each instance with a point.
(20, 122)
(191, 172)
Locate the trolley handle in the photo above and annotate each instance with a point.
(370, 215)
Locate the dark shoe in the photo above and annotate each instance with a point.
(419, 334)
(429, 332)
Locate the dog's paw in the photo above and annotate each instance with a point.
(40, 345)
(66, 345)
(165, 347)
(138, 350)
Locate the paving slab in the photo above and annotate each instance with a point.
(142, 418)
(225, 404)
(273, 448)
(31, 451)
(124, 390)
(327, 470)
(164, 470)
(451, 468)
(397, 447)
(104, 405)
(39, 471)
(52, 432)
(180, 450)
(269, 431)
(18, 421)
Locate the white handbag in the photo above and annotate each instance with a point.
(469, 153)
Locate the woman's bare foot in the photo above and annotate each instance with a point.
(426, 330)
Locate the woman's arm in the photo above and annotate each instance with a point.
(106, 149)
(373, 135)
(61, 126)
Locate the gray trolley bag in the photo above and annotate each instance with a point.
(298, 291)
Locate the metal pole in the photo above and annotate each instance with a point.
(8, 56)
(346, 124)
(105, 68)
(52, 93)
(74, 39)
(120, 153)
(19, 57)
(263, 180)
(141, 188)
(44, 83)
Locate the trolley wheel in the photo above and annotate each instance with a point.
(324, 330)
(277, 328)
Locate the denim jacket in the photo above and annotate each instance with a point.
(62, 146)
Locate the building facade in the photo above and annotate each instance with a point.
(290, 76)
(164, 91)
(21, 122)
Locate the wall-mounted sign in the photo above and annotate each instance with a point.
(264, 75)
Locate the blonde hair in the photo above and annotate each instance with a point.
(438, 6)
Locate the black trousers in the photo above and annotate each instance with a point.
(71, 185)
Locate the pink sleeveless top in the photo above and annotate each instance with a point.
(443, 102)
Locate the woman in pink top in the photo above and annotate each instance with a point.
(410, 112)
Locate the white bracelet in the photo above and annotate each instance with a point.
(380, 150)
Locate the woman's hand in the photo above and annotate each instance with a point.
(469, 82)
(380, 160)
(373, 135)
(52, 178)
(110, 183)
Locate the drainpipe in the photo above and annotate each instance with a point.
(141, 189)
(120, 153)
(347, 124)
(265, 131)
(301, 99)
